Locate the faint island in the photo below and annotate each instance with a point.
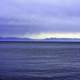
(14, 39)
(40, 40)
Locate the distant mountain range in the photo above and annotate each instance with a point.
(14, 39)
(29, 39)
(63, 39)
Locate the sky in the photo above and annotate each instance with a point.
(40, 18)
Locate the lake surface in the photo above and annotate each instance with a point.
(39, 61)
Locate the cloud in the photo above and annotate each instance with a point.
(23, 8)
(18, 17)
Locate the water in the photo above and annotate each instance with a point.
(39, 61)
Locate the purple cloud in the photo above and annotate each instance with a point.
(22, 16)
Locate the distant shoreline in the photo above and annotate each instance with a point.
(37, 41)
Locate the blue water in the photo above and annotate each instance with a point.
(39, 61)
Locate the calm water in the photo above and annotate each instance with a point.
(39, 61)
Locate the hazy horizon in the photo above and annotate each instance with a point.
(40, 18)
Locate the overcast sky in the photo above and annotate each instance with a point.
(24, 17)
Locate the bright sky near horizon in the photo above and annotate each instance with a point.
(40, 18)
